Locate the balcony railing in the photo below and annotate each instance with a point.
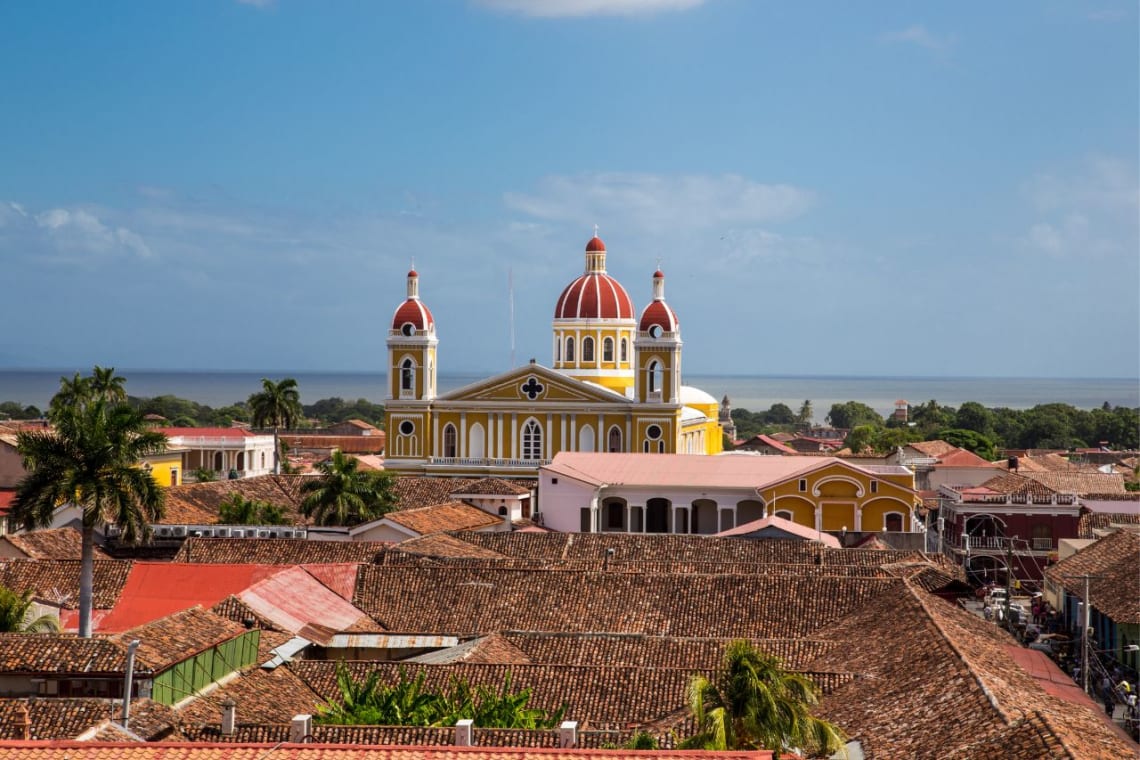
(486, 462)
(998, 543)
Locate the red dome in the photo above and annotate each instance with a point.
(594, 296)
(658, 313)
(415, 313)
(595, 245)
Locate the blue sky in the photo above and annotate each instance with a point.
(831, 188)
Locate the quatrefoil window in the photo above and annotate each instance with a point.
(532, 389)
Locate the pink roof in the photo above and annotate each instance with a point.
(205, 432)
(962, 458)
(778, 445)
(681, 470)
(339, 576)
(772, 521)
(293, 600)
(156, 589)
(1112, 506)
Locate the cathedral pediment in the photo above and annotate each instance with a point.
(533, 383)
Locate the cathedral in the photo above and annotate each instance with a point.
(614, 386)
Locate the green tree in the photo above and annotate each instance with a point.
(805, 415)
(408, 702)
(235, 509)
(17, 614)
(971, 441)
(781, 414)
(346, 495)
(276, 405)
(973, 416)
(754, 703)
(105, 384)
(852, 414)
(90, 459)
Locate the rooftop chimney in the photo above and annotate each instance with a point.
(568, 734)
(229, 716)
(300, 728)
(21, 723)
(463, 731)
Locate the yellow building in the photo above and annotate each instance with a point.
(166, 468)
(614, 386)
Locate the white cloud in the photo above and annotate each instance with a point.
(579, 8)
(918, 34)
(656, 202)
(1089, 211)
(70, 234)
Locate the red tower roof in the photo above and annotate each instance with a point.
(594, 296)
(595, 245)
(658, 313)
(413, 312)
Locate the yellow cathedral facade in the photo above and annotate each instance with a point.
(614, 386)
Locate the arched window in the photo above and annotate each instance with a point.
(893, 522)
(587, 349)
(785, 514)
(532, 440)
(608, 349)
(240, 465)
(408, 375)
(476, 441)
(263, 460)
(219, 462)
(624, 350)
(654, 440)
(569, 349)
(449, 440)
(557, 350)
(586, 439)
(615, 439)
(654, 378)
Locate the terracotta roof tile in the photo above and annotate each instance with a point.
(56, 543)
(491, 487)
(262, 696)
(1116, 559)
(57, 580)
(467, 601)
(185, 751)
(1092, 522)
(1080, 482)
(276, 551)
(197, 503)
(174, 638)
(452, 515)
(936, 449)
(440, 546)
(64, 718)
(59, 653)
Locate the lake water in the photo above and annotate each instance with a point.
(754, 393)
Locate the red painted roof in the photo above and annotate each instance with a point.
(6, 499)
(962, 458)
(205, 432)
(658, 313)
(594, 296)
(414, 311)
(156, 589)
(339, 576)
(595, 245)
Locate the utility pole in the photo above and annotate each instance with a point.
(1085, 629)
(1008, 581)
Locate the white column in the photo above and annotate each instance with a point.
(819, 517)
(435, 437)
(548, 439)
(628, 518)
(858, 518)
(573, 433)
(499, 453)
(629, 434)
(514, 435)
(463, 434)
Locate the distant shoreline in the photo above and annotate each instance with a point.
(753, 392)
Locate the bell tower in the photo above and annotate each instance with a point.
(412, 348)
(657, 349)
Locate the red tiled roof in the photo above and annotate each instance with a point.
(962, 458)
(453, 515)
(71, 750)
(205, 432)
(594, 296)
(156, 589)
(52, 543)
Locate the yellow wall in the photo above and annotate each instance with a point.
(838, 488)
(162, 466)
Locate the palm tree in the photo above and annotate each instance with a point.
(16, 613)
(277, 404)
(72, 392)
(346, 495)
(91, 459)
(106, 384)
(753, 703)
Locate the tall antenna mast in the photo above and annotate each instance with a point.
(511, 306)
